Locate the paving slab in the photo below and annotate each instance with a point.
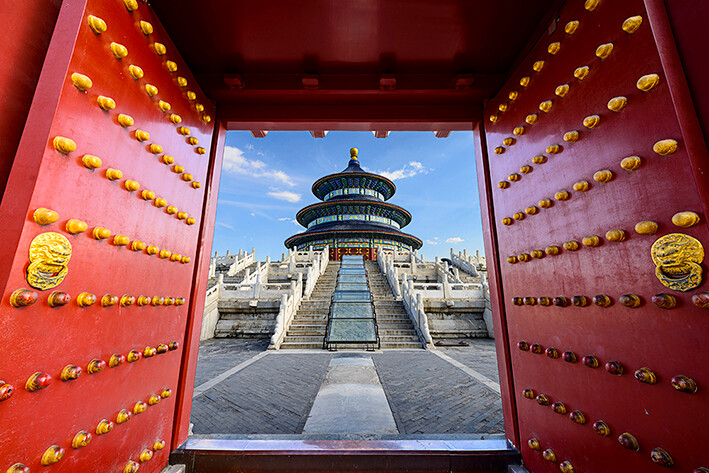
(351, 400)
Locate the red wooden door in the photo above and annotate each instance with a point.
(106, 211)
(596, 207)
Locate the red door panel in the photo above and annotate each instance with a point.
(44, 339)
(591, 194)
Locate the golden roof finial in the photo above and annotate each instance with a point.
(353, 153)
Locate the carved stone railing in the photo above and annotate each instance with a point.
(387, 268)
(291, 302)
(211, 312)
(464, 264)
(242, 263)
(413, 302)
(315, 270)
(404, 290)
(289, 306)
(447, 290)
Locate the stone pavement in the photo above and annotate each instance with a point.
(482, 357)
(430, 396)
(218, 355)
(351, 400)
(272, 393)
(271, 396)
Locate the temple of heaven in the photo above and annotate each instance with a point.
(353, 217)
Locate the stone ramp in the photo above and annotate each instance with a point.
(351, 322)
(395, 327)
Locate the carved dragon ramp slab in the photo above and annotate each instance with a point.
(97, 297)
(600, 227)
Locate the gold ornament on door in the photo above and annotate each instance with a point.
(49, 255)
(677, 259)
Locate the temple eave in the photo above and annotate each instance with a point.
(305, 237)
(312, 212)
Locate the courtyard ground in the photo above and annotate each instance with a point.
(241, 389)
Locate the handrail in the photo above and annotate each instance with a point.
(290, 303)
(464, 265)
(211, 312)
(387, 268)
(289, 306)
(413, 303)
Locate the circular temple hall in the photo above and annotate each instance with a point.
(354, 217)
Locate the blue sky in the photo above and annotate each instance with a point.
(265, 181)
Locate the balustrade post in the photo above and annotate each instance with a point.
(257, 288)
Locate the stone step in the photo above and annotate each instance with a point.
(399, 332)
(305, 325)
(456, 334)
(288, 345)
(397, 338)
(317, 305)
(393, 319)
(403, 345)
(305, 338)
(396, 310)
(292, 334)
(309, 320)
(386, 328)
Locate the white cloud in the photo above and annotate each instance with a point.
(284, 219)
(253, 214)
(431, 242)
(225, 225)
(410, 169)
(454, 240)
(236, 163)
(285, 195)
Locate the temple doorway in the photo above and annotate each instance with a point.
(397, 390)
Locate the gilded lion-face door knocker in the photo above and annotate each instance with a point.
(49, 256)
(677, 259)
